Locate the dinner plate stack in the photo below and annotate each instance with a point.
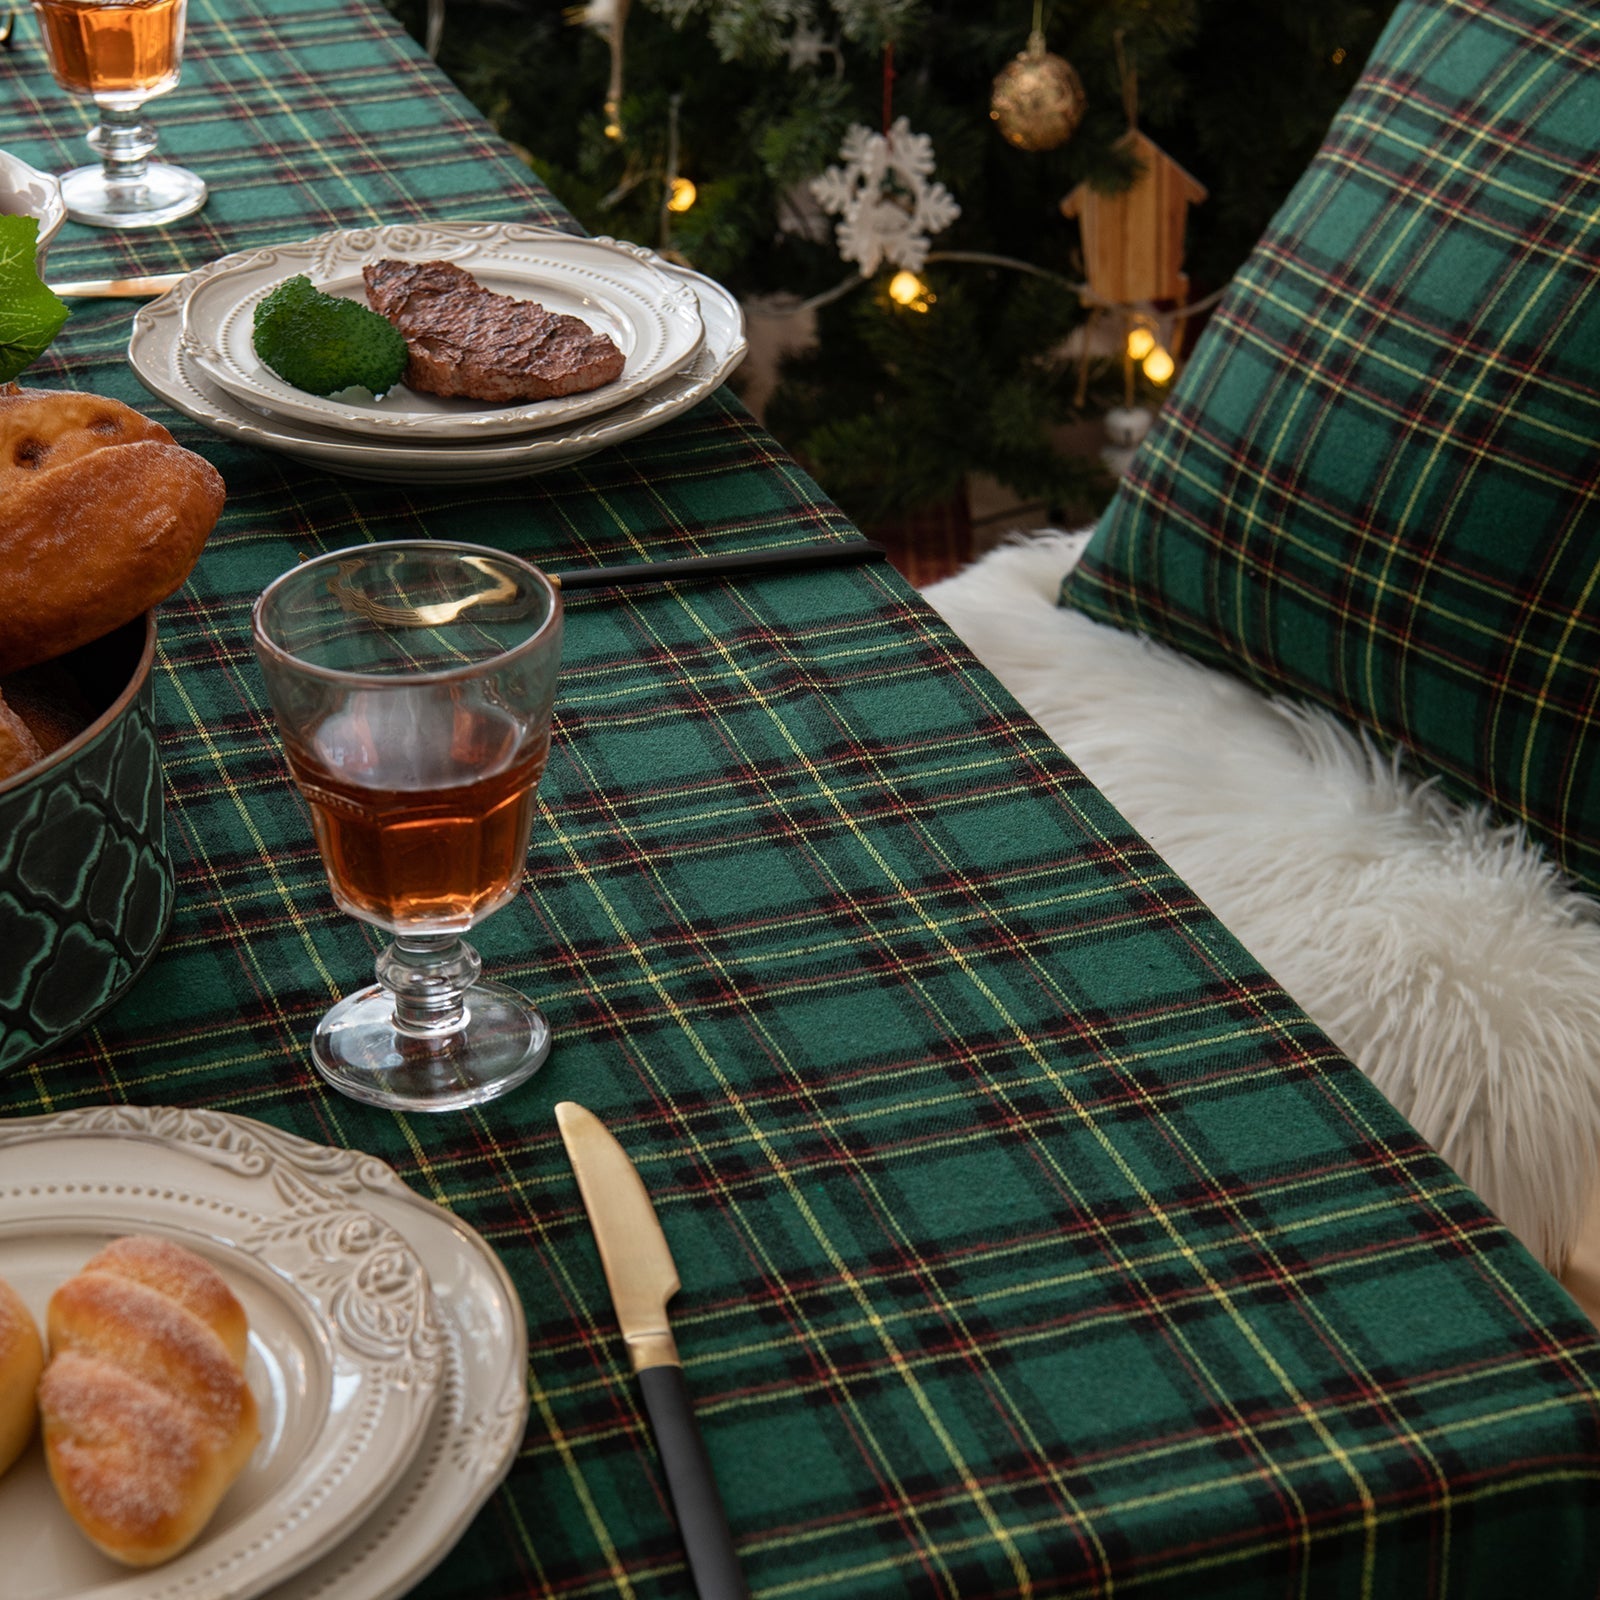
(388, 1352)
(680, 334)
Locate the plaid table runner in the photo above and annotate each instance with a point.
(1033, 1242)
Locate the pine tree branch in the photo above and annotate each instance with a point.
(1082, 290)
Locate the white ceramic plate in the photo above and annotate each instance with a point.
(171, 374)
(617, 289)
(483, 1408)
(346, 1351)
(478, 1421)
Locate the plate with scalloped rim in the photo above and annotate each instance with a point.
(478, 1425)
(171, 374)
(346, 1349)
(615, 288)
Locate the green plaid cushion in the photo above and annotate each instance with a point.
(1377, 485)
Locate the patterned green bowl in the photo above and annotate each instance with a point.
(86, 886)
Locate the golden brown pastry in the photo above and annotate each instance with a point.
(19, 748)
(50, 703)
(147, 1417)
(102, 515)
(21, 1357)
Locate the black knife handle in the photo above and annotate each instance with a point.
(833, 553)
(701, 1520)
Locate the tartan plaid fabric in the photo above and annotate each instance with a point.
(1377, 483)
(1033, 1242)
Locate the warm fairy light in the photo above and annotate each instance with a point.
(906, 288)
(1140, 342)
(1338, 56)
(682, 196)
(1159, 366)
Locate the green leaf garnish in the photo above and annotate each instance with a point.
(322, 344)
(30, 315)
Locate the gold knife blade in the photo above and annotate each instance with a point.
(639, 1271)
(118, 288)
(633, 1250)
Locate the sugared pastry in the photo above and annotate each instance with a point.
(21, 1357)
(147, 1416)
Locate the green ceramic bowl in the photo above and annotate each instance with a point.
(86, 885)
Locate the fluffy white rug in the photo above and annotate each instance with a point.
(1443, 954)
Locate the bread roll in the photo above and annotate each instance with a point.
(21, 1357)
(147, 1417)
(102, 515)
(19, 749)
(50, 703)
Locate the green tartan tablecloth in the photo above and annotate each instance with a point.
(1033, 1242)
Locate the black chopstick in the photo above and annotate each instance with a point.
(793, 556)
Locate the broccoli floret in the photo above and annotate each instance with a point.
(322, 344)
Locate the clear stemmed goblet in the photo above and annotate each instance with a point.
(413, 684)
(123, 53)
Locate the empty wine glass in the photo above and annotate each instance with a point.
(413, 684)
(123, 53)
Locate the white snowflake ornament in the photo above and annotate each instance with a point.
(885, 198)
(808, 45)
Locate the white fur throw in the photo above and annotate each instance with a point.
(1443, 954)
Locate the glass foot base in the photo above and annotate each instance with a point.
(358, 1050)
(161, 195)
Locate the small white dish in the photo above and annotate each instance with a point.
(27, 192)
(346, 1350)
(170, 373)
(616, 289)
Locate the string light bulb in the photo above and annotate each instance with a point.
(1159, 365)
(908, 290)
(905, 287)
(1141, 341)
(682, 196)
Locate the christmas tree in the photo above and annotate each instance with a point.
(746, 137)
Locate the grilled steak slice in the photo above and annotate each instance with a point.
(466, 340)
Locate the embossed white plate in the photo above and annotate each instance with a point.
(617, 289)
(171, 374)
(346, 1349)
(483, 1407)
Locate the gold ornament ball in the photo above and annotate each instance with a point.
(1038, 99)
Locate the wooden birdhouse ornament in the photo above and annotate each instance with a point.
(1133, 241)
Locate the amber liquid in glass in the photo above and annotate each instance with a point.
(420, 834)
(121, 47)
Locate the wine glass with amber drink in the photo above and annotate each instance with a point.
(121, 53)
(413, 684)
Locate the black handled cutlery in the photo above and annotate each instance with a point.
(640, 1273)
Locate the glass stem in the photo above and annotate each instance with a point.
(429, 975)
(124, 142)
